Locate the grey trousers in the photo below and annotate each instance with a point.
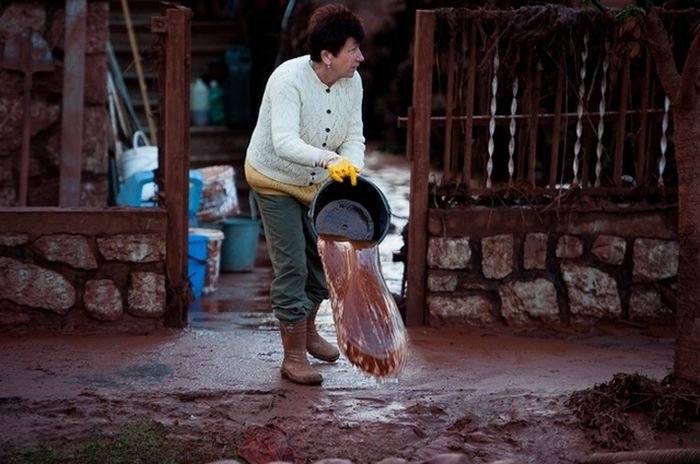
(299, 283)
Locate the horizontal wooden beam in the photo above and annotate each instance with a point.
(484, 119)
(91, 221)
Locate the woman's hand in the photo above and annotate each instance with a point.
(327, 158)
(342, 169)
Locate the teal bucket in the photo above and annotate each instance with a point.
(196, 262)
(241, 235)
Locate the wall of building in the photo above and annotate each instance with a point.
(516, 267)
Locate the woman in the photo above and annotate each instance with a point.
(309, 127)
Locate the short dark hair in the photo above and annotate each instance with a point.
(330, 27)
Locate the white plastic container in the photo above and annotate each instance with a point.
(199, 103)
(141, 157)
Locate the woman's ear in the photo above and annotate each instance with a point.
(326, 57)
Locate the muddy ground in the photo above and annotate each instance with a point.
(488, 394)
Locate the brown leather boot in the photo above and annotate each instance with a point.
(315, 344)
(295, 365)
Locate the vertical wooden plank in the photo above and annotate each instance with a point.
(448, 171)
(534, 116)
(418, 196)
(641, 161)
(653, 138)
(174, 151)
(521, 155)
(72, 107)
(622, 123)
(556, 128)
(469, 110)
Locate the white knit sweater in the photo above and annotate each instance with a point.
(299, 118)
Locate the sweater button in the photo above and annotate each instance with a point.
(328, 129)
(323, 144)
(328, 111)
(328, 90)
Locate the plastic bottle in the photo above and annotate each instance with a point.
(199, 103)
(217, 112)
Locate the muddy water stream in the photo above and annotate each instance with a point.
(369, 328)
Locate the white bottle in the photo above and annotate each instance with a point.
(199, 103)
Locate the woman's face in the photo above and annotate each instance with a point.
(345, 63)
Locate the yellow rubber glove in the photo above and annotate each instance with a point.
(343, 169)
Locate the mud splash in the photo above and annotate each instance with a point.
(368, 324)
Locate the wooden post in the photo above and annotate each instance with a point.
(418, 197)
(174, 151)
(73, 98)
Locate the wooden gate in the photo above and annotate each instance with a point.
(114, 247)
(541, 107)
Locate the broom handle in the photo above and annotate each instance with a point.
(139, 72)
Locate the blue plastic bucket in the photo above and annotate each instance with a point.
(241, 235)
(196, 263)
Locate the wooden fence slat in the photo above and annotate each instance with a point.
(469, 107)
(641, 162)
(419, 188)
(556, 129)
(534, 116)
(622, 123)
(448, 165)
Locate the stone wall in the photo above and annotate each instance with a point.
(93, 270)
(47, 20)
(521, 267)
